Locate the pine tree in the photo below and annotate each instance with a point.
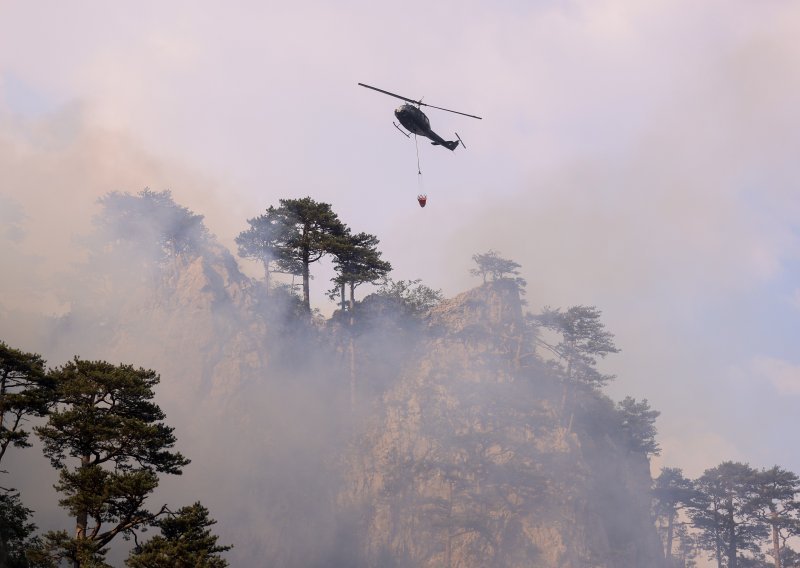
(411, 296)
(185, 542)
(309, 231)
(358, 261)
(638, 425)
(265, 241)
(776, 506)
(150, 223)
(722, 511)
(25, 392)
(584, 339)
(19, 547)
(672, 493)
(106, 421)
(492, 264)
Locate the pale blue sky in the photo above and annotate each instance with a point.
(639, 156)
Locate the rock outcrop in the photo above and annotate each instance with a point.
(469, 462)
(392, 442)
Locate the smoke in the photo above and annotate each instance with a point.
(679, 230)
(259, 396)
(284, 420)
(55, 168)
(640, 158)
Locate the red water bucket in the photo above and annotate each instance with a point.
(423, 199)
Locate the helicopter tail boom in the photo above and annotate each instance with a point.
(449, 144)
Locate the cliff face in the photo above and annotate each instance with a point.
(190, 317)
(441, 443)
(468, 462)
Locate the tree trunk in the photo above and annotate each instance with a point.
(2, 400)
(717, 544)
(3, 414)
(304, 240)
(3, 552)
(266, 275)
(352, 374)
(352, 297)
(670, 520)
(344, 300)
(306, 287)
(733, 551)
(567, 384)
(776, 548)
(82, 518)
(568, 390)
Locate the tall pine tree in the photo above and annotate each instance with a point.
(672, 493)
(309, 231)
(775, 505)
(106, 422)
(723, 512)
(266, 242)
(358, 261)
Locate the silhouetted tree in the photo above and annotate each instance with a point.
(672, 492)
(25, 392)
(775, 505)
(789, 557)
(413, 296)
(688, 548)
(357, 261)
(152, 221)
(309, 231)
(105, 418)
(638, 425)
(185, 542)
(266, 242)
(584, 339)
(492, 264)
(723, 512)
(19, 547)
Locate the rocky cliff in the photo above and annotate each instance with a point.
(468, 461)
(393, 441)
(191, 317)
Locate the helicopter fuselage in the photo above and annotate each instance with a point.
(415, 121)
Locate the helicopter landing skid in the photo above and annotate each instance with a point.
(401, 130)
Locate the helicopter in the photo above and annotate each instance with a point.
(415, 121)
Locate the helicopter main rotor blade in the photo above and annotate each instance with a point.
(417, 102)
(453, 111)
(392, 94)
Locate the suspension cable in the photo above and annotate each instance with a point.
(416, 143)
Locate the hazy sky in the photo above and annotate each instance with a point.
(637, 156)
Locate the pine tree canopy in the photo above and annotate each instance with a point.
(106, 421)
